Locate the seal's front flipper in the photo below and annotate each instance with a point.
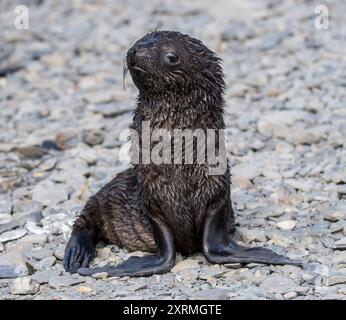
(218, 247)
(79, 250)
(147, 265)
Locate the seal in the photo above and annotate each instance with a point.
(165, 208)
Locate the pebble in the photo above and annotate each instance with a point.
(100, 275)
(34, 239)
(65, 281)
(49, 193)
(290, 295)
(85, 290)
(334, 280)
(59, 253)
(43, 277)
(340, 244)
(185, 265)
(286, 225)
(25, 285)
(13, 271)
(5, 218)
(93, 138)
(63, 109)
(278, 283)
(12, 235)
(45, 263)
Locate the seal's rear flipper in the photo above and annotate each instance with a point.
(147, 265)
(218, 247)
(235, 253)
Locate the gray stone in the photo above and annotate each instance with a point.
(5, 205)
(286, 225)
(5, 218)
(185, 265)
(50, 193)
(334, 280)
(43, 277)
(27, 206)
(111, 109)
(13, 271)
(25, 285)
(45, 263)
(34, 239)
(40, 253)
(93, 138)
(278, 283)
(12, 235)
(65, 281)
(340, 244)
(59, 253)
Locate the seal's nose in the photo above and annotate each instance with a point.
(142, 53)
(137, 53)
(132, 52)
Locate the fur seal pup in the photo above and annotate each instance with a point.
(164, 208)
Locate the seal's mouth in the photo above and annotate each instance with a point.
(136, 68)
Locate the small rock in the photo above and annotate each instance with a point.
(290, 295)
(100, 275)
(340, 244)
(13, 271)
(27, 206)
(83, 289)
(24, 285)
(5, 206)
(50, 193)
(5, 218)
(48, 165)
(339, 258)
(43, 277)
(333, 216)
(34, 239)
(249, 236)
(33, 152)
(65, 281)
(278, 283)
(12, 235)
(286, 225)
(59, 253)
(334, 280)
(93, 138)
(40, 254)
(45, 263)
(23, 217)
(185, 265)
(213, 294)
(246, 171)
(110, 109)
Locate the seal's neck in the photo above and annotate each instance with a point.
(196, 106)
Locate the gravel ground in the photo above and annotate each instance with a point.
(61, 86)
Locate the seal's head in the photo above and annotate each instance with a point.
(164, 62)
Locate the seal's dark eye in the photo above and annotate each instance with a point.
(171, 58)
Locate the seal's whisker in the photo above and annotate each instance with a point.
(125, 70)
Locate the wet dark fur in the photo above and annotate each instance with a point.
(186, 95)
(190, 97)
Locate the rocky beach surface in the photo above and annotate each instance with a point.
(63, 105)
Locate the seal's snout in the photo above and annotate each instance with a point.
(136, 57)
(138, 51)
